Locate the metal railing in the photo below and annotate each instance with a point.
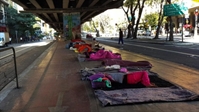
(8, 67)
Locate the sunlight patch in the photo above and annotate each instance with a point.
(35, 44)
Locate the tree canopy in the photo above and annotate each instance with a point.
(151, 19)
(20, 22)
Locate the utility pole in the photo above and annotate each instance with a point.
(171, 25)
(196, 24)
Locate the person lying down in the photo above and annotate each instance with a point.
(131, 78)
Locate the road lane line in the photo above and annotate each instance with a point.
(189, 54)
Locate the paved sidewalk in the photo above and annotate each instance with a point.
(53, 84)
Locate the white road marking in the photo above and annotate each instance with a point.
(189, 54)
(59, 107)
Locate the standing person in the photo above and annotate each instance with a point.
(120, 36)
(21, 39)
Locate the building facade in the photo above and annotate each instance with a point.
(3, 16)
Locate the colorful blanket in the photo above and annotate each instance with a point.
(124, 93)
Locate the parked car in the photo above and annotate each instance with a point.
(147, 33)
(187, 33)
(140, 32)
(89, 36)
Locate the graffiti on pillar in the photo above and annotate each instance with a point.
(71, 25)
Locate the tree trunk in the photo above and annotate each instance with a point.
(97, 32)
(171, 29)
(171, 25)
(132, 27)
(138, 20)
(129, 31)
(134, 31)
(160, 19)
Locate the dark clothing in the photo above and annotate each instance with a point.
(120, 37)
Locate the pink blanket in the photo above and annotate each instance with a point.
(103, 54)
(139, 76)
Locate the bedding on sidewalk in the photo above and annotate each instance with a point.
(144, 95)
(119, 92)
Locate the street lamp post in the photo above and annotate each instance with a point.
(196, 24)
(16, 36)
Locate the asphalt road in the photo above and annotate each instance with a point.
(185, 54)
(26, 54)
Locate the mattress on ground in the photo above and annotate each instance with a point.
(124, 93)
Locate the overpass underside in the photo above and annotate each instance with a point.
(52, 11)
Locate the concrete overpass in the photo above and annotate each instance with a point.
(51, 11)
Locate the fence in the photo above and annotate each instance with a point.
(8, 67)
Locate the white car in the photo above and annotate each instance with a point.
(147, 33)
(140, 32)
(187, 34)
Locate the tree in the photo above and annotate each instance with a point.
(134, 5)
(94, 25)
(152, 19)
(103, 21)
(141, 4)
(11, 20)
(160, 19)
(99, 23)
(86, 27)
(20, 22)
(131, 6)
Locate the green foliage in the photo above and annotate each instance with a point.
(41, 36)
(129, 3)
(20, 22)
(56, 34)
(152, 19)
(85, 27)
(88, 26)
(103, 23)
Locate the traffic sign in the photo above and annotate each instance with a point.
(174, 9)
(195, 0)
